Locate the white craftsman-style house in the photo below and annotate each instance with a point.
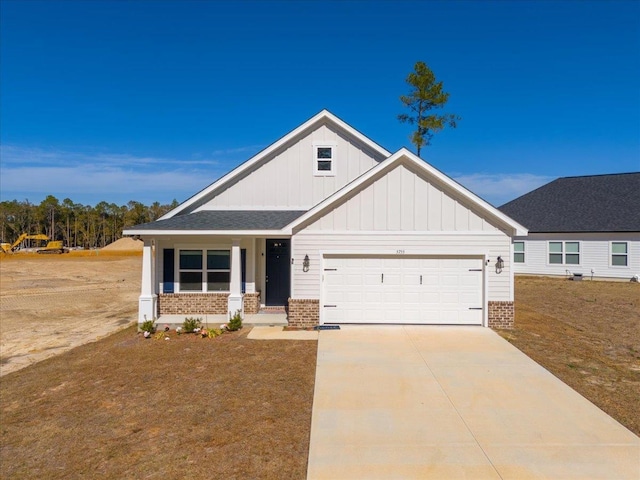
(333, 228)
(587, 226)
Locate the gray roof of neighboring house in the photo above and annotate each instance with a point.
(225, 220)
(597, 203)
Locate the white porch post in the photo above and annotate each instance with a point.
(235, 296)
(148, 299)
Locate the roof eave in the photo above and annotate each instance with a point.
(226, 233)
(321, 116)
(515, 227)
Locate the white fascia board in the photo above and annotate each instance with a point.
(323, 115)
(388, 164)
(228, 233)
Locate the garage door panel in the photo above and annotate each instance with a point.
(412, 290)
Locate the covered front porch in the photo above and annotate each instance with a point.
(213, 277)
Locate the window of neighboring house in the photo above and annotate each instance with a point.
(324, 160)
(619, 254)
(564, 253)
(518, 252)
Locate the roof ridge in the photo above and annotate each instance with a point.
(599, 175)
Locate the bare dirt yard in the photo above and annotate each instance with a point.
(52, 303)
(588, 335)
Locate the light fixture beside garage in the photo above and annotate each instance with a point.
(499, 265)
(305, 263)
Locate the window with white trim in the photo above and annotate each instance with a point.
(518, 252)
(324, 159)
(564, 253)
(619, 254)
(196, 275)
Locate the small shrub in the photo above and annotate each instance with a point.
(190, 324)
(235, 322)
(148, 326)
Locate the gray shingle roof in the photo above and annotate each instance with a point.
(225, 220)
(598, 203)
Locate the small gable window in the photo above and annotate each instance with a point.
(324, 159)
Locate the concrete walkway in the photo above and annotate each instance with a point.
(396, 402)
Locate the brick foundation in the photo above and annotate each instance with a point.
(501, 315)
(303, 312)
(192, 303)
(203, 303)
(251, 303)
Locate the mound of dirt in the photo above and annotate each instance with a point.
(125, 244)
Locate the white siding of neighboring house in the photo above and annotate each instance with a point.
(595, 253)
(402, 200)
(287, 180)
(315, 244)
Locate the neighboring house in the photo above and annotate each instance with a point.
(580, 225)
(336, 229)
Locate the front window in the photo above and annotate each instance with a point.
(218, 270)
(518, 252)
(191, 270)
(564, 253)
(196, 276)
(619, 254)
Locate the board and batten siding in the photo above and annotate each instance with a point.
(287, 180)
(595, 253)
(402, 200)
(307, 285)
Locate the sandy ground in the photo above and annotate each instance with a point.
(50, 304)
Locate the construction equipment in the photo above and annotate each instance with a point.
(54, 247)
(11, 247)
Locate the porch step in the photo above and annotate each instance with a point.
(272, 318)
(272, 310)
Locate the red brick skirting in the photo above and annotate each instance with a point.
(501, 315)
(303, 312)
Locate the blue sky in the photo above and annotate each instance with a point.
(154, 100)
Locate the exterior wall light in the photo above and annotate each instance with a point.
(499, 265)
(305, 264)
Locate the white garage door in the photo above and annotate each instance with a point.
(412, 290)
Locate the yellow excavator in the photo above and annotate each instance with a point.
(55, 246)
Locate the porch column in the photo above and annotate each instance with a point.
(148, 299)
(235, 289)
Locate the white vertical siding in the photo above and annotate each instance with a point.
(315, 244)
(595, 253)
(402, 200)
(286, 181)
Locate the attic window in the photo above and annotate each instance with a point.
(324, 159)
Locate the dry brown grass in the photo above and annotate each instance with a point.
(125, 407)
(588, 335)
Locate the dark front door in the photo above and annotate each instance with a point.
(278, 271)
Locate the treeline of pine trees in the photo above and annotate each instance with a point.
(75, 224)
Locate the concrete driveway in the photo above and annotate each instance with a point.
(453, 402)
